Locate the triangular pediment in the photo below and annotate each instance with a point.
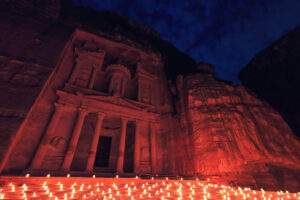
(115, 100)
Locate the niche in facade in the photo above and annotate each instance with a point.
(118, 77)
(146, 85)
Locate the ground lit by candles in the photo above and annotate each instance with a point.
(127, 188)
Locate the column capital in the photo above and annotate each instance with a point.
(124, 119)
(62, 107)
(154, 124)
(59, 106)
(99, 114)
(138, 121)
(83, 111)
(152, 121)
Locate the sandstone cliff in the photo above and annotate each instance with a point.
(207, 128)
(230, 131)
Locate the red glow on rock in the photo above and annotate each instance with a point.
(108, 108)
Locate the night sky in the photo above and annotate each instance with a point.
(226, 33)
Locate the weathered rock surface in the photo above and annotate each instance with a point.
(230, 131)
(205, 127)
(274, 75)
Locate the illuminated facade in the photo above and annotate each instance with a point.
(103, 110)
(108, 106)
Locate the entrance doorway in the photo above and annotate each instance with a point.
(103, 152)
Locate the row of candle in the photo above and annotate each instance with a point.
(129, 188)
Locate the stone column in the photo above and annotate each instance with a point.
(44, 145)
(94, 145)
(96, 67)
(94, 73)
(139, 89)
(74, 140)
(121, 154)
(137, 147)
(75, 70)
(153, 130)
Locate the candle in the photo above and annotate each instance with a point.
(129, 188)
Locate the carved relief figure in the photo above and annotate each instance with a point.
(118, 76)
(115, 86)
(83, 76)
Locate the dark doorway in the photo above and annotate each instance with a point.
(129, 147)
(103, 152)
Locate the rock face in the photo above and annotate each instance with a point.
(274, 75)
(230, 131)
(96, 98)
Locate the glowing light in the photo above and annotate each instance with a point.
(130, 188)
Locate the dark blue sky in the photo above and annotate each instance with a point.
(226, 33)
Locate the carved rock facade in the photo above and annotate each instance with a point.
(105, 106)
